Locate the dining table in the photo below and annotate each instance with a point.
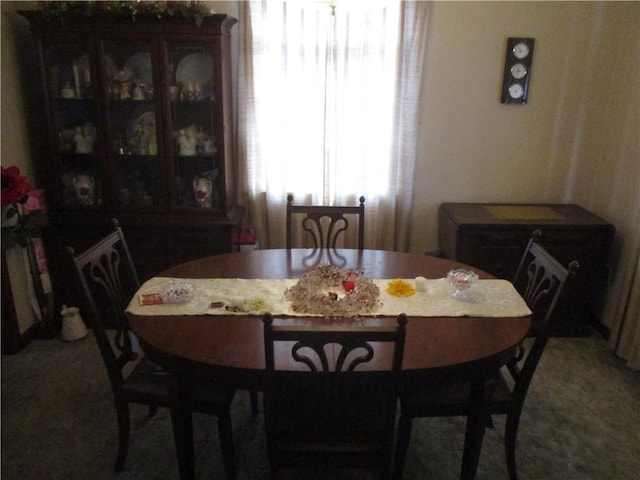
(449, 344)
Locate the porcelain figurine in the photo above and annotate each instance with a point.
(187, 143)
(187, 92)
(197, 91)
(138, 92)
(84, 188)
(67, 91)
(125, 91)
(203, 190)
(210, 145)
(139, 142)
(84, 138)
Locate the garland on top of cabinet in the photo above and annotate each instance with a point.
(128, 10)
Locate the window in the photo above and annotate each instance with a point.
(324, 84)
(318, 101)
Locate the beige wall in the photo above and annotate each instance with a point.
(576, 141)
(604, 173)
(14, 142)
(13, 138)
(474, 148)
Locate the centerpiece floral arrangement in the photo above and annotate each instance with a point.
(333, 291)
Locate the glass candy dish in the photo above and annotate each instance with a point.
(178, 292)
(461, 280)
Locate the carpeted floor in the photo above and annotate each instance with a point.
(581, 421)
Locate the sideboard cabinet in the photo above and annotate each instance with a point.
(138, 119)
(492, 237)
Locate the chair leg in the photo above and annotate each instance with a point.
(510, 438)
(122, 411)
(226, 445)
(402, 445)
(253, 397)
(182, 423)
(477, 420)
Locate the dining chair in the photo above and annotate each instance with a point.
(540, 280)
(330, 395)
(108, 279)
(324, 223)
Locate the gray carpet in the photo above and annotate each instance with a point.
(581, 421)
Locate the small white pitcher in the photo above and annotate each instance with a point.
(73, 328)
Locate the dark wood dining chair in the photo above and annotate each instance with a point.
(540, 280)
(323, 408)
(324, 223)
(108, 278)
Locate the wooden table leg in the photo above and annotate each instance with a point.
(182, 423)
(477, 422)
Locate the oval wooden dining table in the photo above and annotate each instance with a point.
(230, 349)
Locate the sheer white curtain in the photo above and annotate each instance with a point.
(625, 333)
(327, 110)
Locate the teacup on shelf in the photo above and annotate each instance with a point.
(461, 280)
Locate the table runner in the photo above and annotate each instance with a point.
(487, 298)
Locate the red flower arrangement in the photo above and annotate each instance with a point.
(15, 187)
(24, 209)
(25, 215)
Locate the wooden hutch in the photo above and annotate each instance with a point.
(138, 116)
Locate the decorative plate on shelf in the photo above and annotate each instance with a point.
(147, 121)
(195, 68)
(142, 121)
(140, 67)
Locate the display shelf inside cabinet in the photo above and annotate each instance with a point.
(492, 237)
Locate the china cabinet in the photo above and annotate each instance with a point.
(493, 237)
(139, 123)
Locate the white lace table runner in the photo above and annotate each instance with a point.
(487, 298)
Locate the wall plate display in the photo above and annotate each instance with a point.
(517, 70)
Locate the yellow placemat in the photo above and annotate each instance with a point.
(523, 212)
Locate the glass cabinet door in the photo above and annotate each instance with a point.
(195, 126)
(70, 90)
(133, 127)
